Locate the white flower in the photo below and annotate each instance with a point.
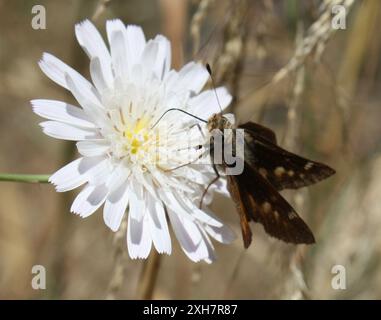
(121, 150)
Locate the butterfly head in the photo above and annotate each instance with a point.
(220, 122)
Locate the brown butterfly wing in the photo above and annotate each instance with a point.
(283, 169)
(256, 199)
(243, 209)
(258, 130)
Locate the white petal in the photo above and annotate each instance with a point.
(194, 174)
(116, 33)
(87, 98)
(206, 218)
(137, 204)
(174, 203)
(55, 69)
(209, 247)
(75, 173)
(93, 148)
(163, 62)
(189, 237)
(115, 207)
(92, 43)
(138, 75)
(221, 187)
(196, 213)
(89, 200)
(193, 77)
(145, 180)
(113, 26)
(149, 57)
(169, 181)
(61, 111)
(222, 234)
(118, 177)
(135, 44)
(102, 173)
(170, 79)
(175, 99)
(139, 239)
(97, 75)
(72, 173)
(158, 226)
(206, 103)
(65, 131)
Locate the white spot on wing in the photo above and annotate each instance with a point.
(279, 171)
(263, 172)
(266, 207)
(308, 166)
(292, 215)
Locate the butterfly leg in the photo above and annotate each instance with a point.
(199, 157)
(182, 165)
(199, 129)
(215, 179)
(185, 164)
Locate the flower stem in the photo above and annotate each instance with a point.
(118, 274)
(31, 178)
(148, 276)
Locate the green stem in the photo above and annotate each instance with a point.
(32, 178)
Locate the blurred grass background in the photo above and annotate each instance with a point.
(327, 109)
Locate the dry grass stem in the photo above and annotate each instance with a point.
(196, 23)
(315, 40)
(100, 9)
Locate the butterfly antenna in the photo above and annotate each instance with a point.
(180, 110)
(213, 84)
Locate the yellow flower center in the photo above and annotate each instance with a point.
(136, 136)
